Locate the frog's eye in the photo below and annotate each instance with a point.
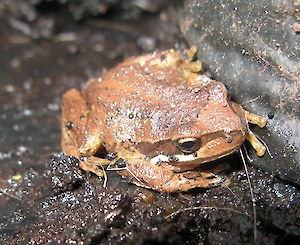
(189, 145)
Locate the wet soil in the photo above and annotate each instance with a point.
(46, 199)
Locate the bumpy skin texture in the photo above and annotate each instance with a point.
(140, 109)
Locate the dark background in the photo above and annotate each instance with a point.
(48, 47)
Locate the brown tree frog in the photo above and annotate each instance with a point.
(158, 118)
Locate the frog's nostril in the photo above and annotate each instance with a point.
(229, 138)
(189, 145)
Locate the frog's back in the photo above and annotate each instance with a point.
(140, 101)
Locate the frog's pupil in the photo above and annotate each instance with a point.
(189, 146)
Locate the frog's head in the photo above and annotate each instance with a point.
(194, 150)
(197, 150)
(196, 131)
(168, 118)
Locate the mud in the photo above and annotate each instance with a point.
(46, 199)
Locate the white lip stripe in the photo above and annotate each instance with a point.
(164, 158)
(185, 158)
(159, 158)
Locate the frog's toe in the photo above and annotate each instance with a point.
(261, 121)
(94, 164)
(256, 144)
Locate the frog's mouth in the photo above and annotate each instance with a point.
(213, 149)
(187, 159)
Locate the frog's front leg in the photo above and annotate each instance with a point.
(80, 136)
(261, 121)
(149, 175)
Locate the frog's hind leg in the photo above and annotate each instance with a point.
(149, 175)
(80, 136)
(261, 121)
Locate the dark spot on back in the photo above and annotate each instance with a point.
(69, 125)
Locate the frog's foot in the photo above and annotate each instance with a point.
(151, 176)
(184, 62)
(261, 121)
(190, 69)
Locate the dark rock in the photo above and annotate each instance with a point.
(252, 47)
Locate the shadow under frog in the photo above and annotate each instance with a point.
(160, 118)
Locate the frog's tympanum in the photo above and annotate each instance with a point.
(157, 118)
